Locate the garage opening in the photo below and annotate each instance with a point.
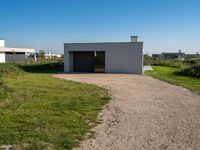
(89, 61)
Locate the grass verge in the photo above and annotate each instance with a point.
(39, 111)
(170, 75)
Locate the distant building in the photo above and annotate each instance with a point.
(149, 54)
(52, 55)
(193, 55)
(13, 55)
(157, 55)
(178, 56)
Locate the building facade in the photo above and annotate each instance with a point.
(13, 55)
(108, 57)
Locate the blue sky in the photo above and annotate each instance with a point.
(163, 25)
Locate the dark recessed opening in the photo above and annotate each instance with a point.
(89, 61)
(100, 61)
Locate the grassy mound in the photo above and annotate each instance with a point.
(39, 111)
(7, 70)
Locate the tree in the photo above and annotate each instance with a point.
(41, 53)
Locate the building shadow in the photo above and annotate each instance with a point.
(56, 67)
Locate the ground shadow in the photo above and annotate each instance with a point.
(56, 67)
(185, 74)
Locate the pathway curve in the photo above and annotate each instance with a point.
(144, 113)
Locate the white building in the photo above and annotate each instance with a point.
(13, 55)
(52, 55)
(109, 57)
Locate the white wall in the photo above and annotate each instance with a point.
(2, 57)
(125, 57)
(2, 43)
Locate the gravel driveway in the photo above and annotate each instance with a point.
(145, 113)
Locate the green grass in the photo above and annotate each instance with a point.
(169, 74)
(39, 111)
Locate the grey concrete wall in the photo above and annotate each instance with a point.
(71, 59)
(66, 61)
(15, 57)
(124, 57)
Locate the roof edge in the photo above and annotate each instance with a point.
(105, 43)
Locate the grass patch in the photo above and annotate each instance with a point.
(170, 75)
(39, 111)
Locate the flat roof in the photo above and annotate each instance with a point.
(9, 49)
(105, 43)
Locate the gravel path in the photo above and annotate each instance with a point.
(145, 113)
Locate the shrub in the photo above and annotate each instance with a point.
(171, 63)
(193, 71)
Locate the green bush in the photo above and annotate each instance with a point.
(193, 71)
(187, 67)
(171, 63)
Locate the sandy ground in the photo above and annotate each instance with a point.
(144, 113)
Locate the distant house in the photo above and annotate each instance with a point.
(13, 55)
(108, 57)
(179, 55)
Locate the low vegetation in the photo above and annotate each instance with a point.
(184, 73)
(172, 75)
(39, 111)
(193, 71)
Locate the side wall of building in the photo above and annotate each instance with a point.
(124, 57)
(127, 58)
(2, 57)
(2, 43)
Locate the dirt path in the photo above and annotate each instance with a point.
(144, 113)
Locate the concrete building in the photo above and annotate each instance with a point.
(193, 55)
(13, 55)
(178, 56)
(108, 57)
(52, 55)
